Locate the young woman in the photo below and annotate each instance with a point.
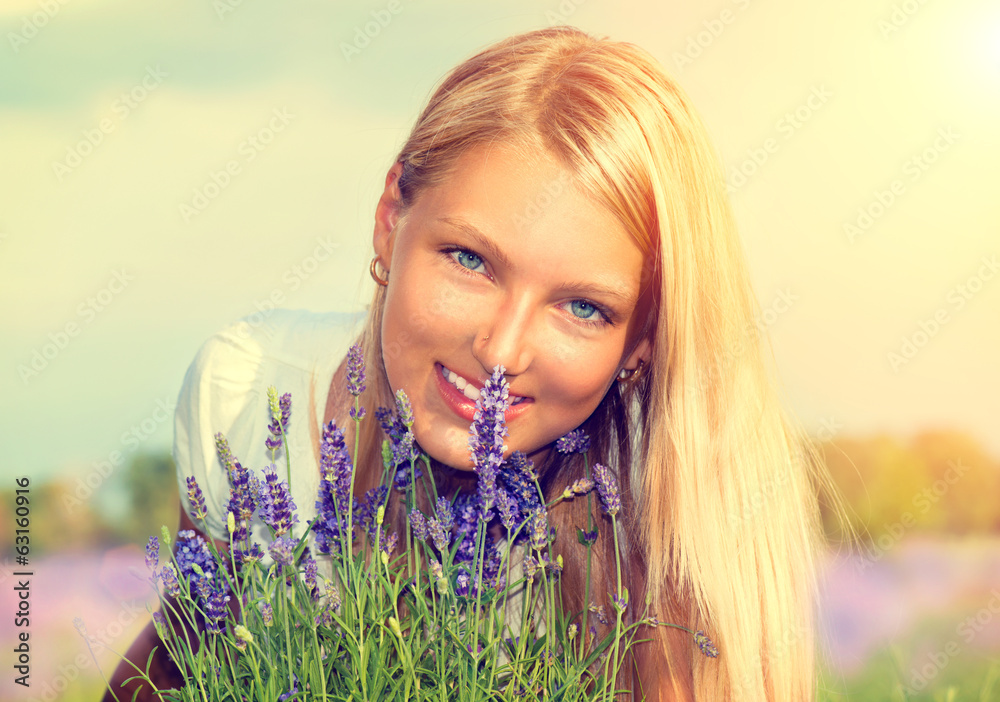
(558, 209)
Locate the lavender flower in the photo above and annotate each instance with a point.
(281, 410)
(356, 370)
(418, 523)
(334, 491)
(599, 611)
(152, 554)
(539, 530)
(462, 581)
(243, 493)
(311, 574)
(507, 508)
(213, 599)
(607, 487)
(574, 442)
(445, 515)
(192, 555)
(586, 537)
(438, 535)
(402, 477)
(398, 427)
(705, 644)
(159, 620)
(196, 499)
(294, 691)
(518, 479)
(225, 454)
(277, 509)
(487, 433)
(266, 613)
(168, 576)
(620, 603)
(281, 550)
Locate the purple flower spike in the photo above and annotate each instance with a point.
(196, 499)
(356, 370)
(607, 487)
(486, 437)
(168, 576)
(418, 523)
(539, 530)
(438, 534)
(404, 408)
(152, 554)
(311, 574)
(401, 439)
(213, 600)
(281, 410)
(574, 442)
(507, 507)
(277, 509)
(334, 491)
(445, 514)
(705, 644)
(281, 550)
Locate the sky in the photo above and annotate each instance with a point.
(168, 166)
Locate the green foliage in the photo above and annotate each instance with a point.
(937, 482)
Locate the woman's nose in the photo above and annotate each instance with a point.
(506, 338)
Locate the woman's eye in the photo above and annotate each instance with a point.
(467, 259)
(588, 312)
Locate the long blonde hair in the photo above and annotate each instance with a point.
(720, 500)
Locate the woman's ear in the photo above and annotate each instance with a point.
(387, 213)
(643, 351)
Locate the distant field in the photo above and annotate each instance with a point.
(919, 624)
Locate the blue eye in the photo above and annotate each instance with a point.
(582, 305)
(467, 259)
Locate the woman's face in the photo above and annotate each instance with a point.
(505, 263)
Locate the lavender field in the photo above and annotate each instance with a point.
(933, 603)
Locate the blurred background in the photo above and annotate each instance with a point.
(169, 167)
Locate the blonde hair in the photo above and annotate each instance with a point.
(720, 502)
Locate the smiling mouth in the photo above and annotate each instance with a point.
(469, 390)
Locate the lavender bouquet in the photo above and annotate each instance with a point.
(351, 610)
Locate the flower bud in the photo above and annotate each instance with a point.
(230, 522)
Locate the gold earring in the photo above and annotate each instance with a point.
(371, 269)
(633, 375)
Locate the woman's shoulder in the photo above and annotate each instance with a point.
(225, 387)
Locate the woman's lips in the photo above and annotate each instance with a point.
(464, 407)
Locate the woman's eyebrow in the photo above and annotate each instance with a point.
(489, 246)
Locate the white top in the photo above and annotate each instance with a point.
(225, 390)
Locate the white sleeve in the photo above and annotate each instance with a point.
(220, 393)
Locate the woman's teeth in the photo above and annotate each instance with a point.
(469, 390)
